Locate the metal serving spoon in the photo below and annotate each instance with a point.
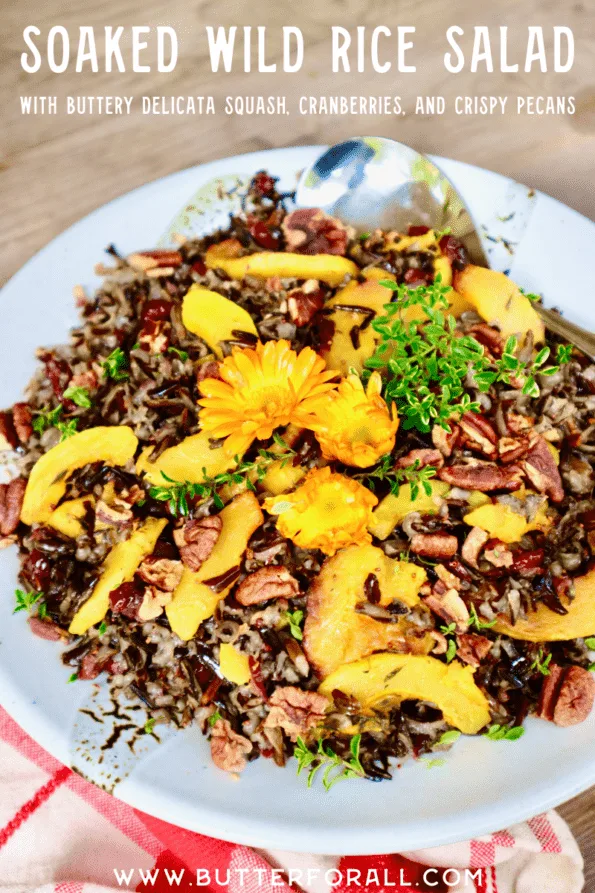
(375, 182)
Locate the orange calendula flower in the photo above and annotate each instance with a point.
(355, 426)
(262, 388)
(328, 511)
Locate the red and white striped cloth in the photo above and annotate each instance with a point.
(60, 834)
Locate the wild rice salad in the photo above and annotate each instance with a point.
(325, 496)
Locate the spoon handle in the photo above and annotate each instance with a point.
(568, 330)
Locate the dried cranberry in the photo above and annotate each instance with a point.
(91, 666)
(262, 235)
(455, 251)
(126, 600)
(263, 184)
(37, 570)
(418, 230)
(325, 329)
(199, 267)
(528, 562)
(417, 277)
(257, 677)
(156, 310)
(59, 374)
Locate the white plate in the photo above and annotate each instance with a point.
(484, 785)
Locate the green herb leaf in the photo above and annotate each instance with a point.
(451, 651)
(475, 621)
(46, 419)
(541, 663)
(504, 733)
(435, 763)
(590, 643)
(26, 600)
(214, 717)
(79, 396)
(102, 628)
(115, 364)
(181, 354)
(73, 678)
(294, 620)
(42, 610)
(449, 737)
(148, 727)
(448, 630)
(67, 429)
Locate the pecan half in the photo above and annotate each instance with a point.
(472, 649)
(541, 469)
(8, 434)
(434, 545)
(163, 573)
(519, 424)
(479, 433)
(295, 711)
(196, 540)
(489, 337)
(450, 607)
(228, 749)
(304, 303)
(567, 695)
(11, 503)
(484, 476)
(445, 441)
(311, 231)
(46, 629)
(474, 543)
(22, 418)
(267, 582)
(422, 457)
(150, 260)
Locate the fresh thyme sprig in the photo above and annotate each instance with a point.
(47, 419)
(178, 494)
(335, 768)
(26, 600)
(114, 366)
(504, 733)
(79, 396)
(477, 622)
(417, 477)
(541, 663)
(425, 366)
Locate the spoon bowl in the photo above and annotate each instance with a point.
(375, 182)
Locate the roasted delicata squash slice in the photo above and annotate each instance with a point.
(186, 461)
(215, 318)
(66, 519)
(502, 522)
(329, 268)
(335, 633)
(383, 680)
(194, 601)
(47, 483)
(544, 625)
(499, 301)
(119, 567)
(396, 506)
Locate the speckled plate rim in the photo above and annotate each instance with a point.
(498, 784)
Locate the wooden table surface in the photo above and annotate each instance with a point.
(54, 169)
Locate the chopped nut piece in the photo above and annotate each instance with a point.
(267, 582)
(108, 516)
(450, 607)
(451, 581)
(510, 448)
(491, 338)
(8, 434)
(542, 471)
(484, 476)
(163, 573)
(304, 304)
(295, 711)
(11, 503)
(441, 646)
(21, 417)
(196, 540)
(474, 543)
(434, 545)
(422, 457)
(210, 369)
(567, 695)
(154, 336)
(472, 649)
(228, 749)
(46, 629)
(498, 555)
(445, 441)
(149, 260)
(6, 541)
(86, 380)
(153, 603)
(479, 433)
(311, 231)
